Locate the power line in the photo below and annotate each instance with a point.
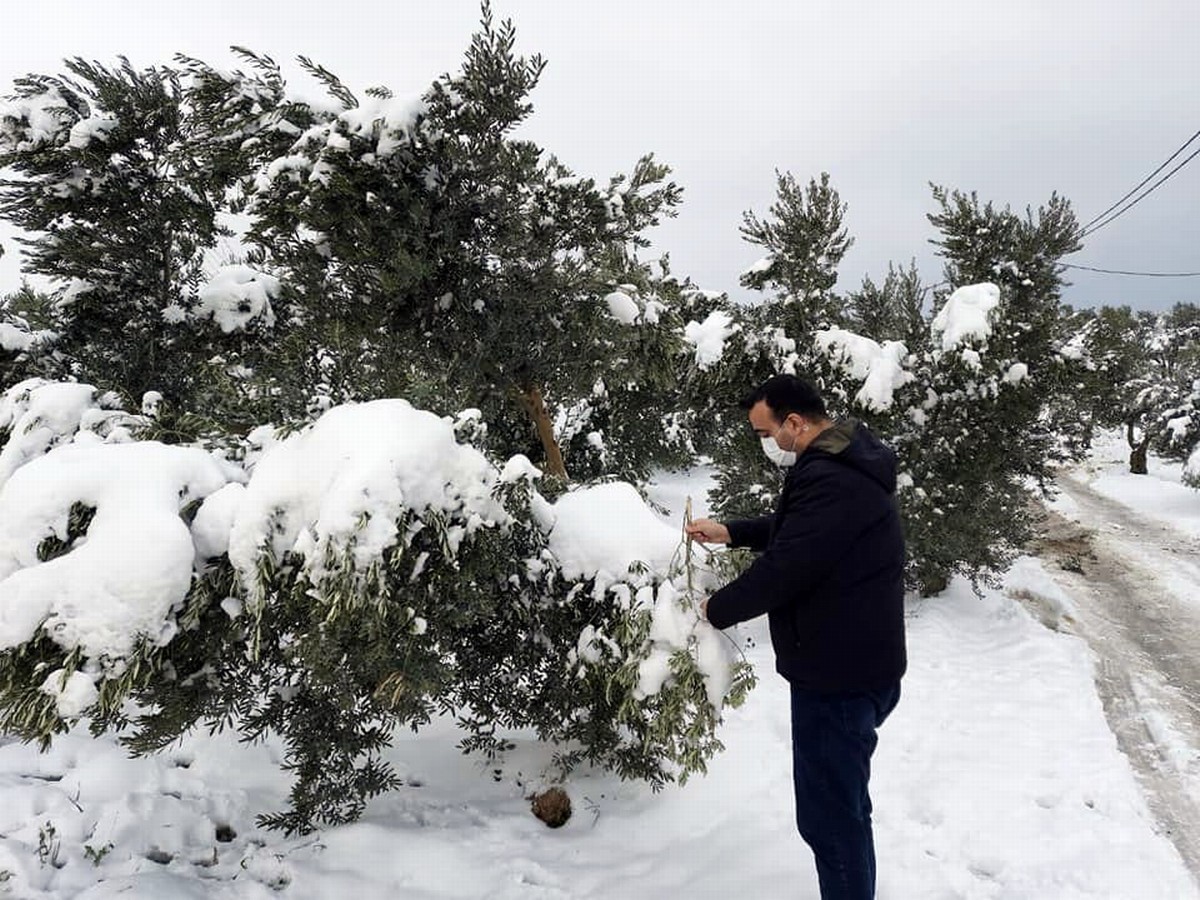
(1142, 196)
(1138, 186)
(1139, 274)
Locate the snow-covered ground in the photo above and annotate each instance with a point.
(1160, 495)
(996, 777)
(1128, 553)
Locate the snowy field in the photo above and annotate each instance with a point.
(1160, 496)
(997, 777)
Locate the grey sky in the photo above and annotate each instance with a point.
(1013, 100)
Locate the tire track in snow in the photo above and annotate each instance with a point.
(1136, 585)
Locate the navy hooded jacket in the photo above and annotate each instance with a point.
(831, 571)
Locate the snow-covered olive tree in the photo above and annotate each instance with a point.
(1108, 352)
(358, 564)
(365, 573)
(733, 347)
(423, 250)
(964, 389)
(118, 206)
(257, 256)
(1169, 403)
(26, 344)
(1138, 373)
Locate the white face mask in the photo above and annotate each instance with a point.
(777, 454)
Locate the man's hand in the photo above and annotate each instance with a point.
(706, 531)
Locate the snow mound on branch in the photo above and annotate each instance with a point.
(123, 581)
(237, 295)
(385, 124)
(40, 415)
(214, 522)
(759, 267)
(709, 337)
(622, 307)
(13, 339)
(341, 485)
(601, 530)
(27, 123)
(1016, 373)
(519, 468)
(386, 120)
(880, 367)
(675, 625)
(73, 692)
(967, 315)
(17, 337)
(93, 128)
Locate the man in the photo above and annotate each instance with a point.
(830, 577)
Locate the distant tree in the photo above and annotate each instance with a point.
(1109, 354)
(1169, 405)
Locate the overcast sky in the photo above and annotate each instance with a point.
(1011, 99)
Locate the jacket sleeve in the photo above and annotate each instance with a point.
(753, 534)
(820, 522)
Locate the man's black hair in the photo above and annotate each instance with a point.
(787, 394)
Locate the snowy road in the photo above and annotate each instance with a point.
(1136, 585)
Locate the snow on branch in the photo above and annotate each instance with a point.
(34, 120)
(880, 367)
(967, 315)
(237, 296)
(100, 595)
(39, 415)
(341, 486)
(607, 534)
(709, 337)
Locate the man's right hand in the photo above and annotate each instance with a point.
(708, 532)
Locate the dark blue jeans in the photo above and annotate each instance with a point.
(833, 737)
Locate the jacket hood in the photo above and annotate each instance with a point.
(853, 444)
